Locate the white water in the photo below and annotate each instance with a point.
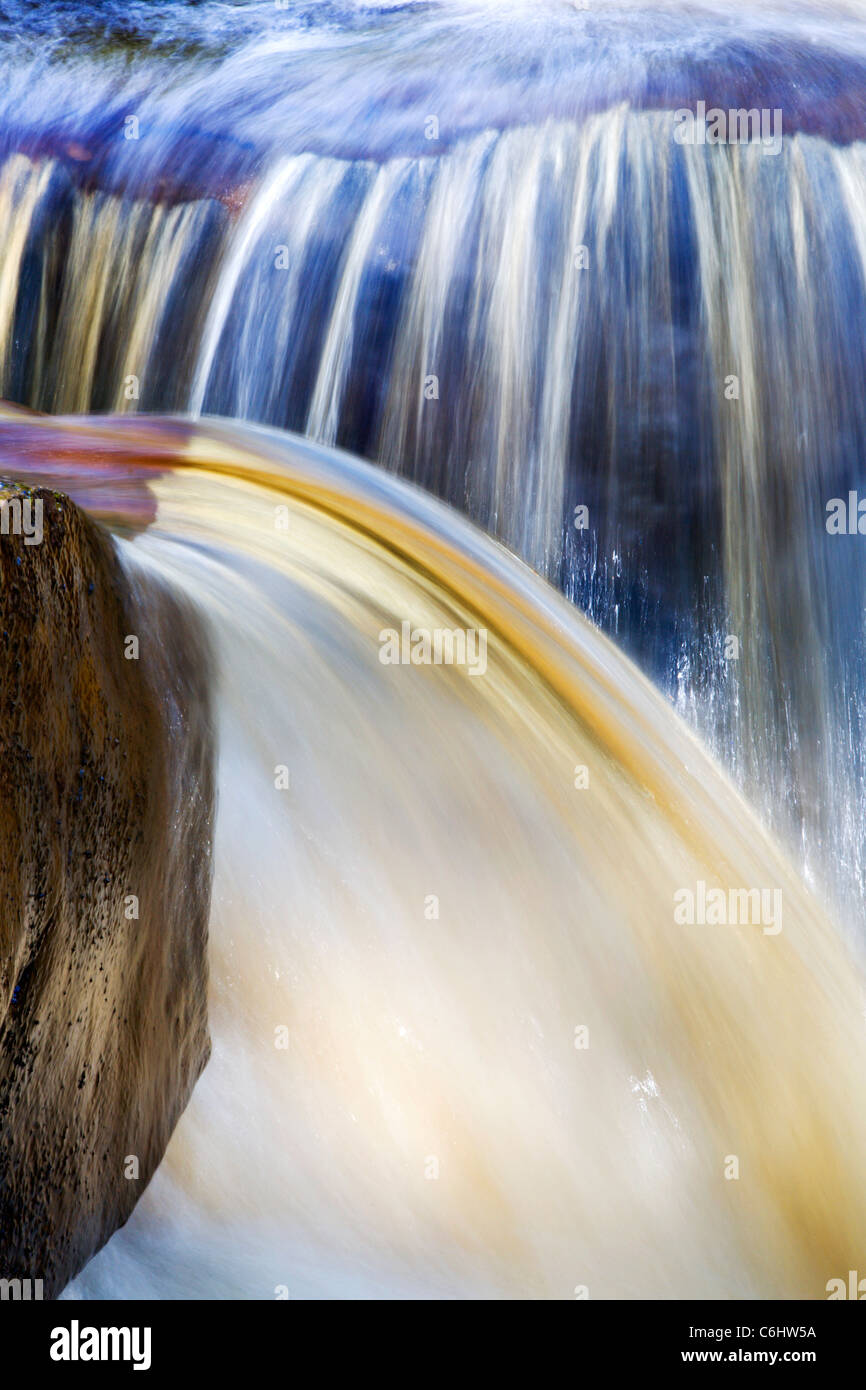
(411, 1038)
(557, 385)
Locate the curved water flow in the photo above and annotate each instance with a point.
(435, 907)
(462, 241)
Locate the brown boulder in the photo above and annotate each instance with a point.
(106, 807)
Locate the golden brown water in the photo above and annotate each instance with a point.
(420, 1044)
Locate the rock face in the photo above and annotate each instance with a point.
(106, 805)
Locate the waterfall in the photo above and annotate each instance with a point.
(450, 266)
(536, 320)
(413, 928)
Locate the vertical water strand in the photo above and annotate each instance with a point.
(256, 220)
(622, 361)
(567, 331)
(324, 413)
(505, 341)
(109, 239)
(785, 672)
(420, 438)
(531, 474)
(633, 236)
(845, 584)
(763, 296)
(819, 452)
(269, 328)
(22, 187)
(726, 278)
(126, 268)
(30, 380)
(172, 240)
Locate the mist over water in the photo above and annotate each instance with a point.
(460, 241)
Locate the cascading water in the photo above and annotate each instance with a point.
(433, 912)
(533, 309)
(460, 240)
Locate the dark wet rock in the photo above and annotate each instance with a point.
(106, 795)
(175, 164)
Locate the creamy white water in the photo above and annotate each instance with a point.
(412, 1038)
